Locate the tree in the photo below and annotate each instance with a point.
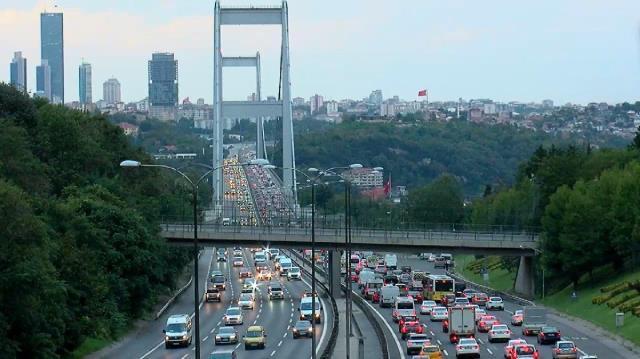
(438, 202)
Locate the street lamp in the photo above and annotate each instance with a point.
(194, 189)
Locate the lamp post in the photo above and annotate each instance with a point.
(194, 189)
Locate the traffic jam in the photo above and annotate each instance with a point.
(434, 316)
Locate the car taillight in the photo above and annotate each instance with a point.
(574, 349)
(404, 330)
(492, 332)
(458, 347)
(419, 330)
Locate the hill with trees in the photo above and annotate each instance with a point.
(475, 154)
(80, 253)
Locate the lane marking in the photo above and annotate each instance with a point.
(445, 352)
(393, 334)
(205, 338)
(272, 353)
(489, 350)
(280, 343)
(184, 356)
(152, 350)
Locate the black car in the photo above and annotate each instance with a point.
(406, 269)
(390, 279)
(302, 328)
(213, 293)
(221, 255)
(548, 335)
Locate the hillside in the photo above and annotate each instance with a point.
(417, 154)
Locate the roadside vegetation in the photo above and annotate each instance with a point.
(80, 255)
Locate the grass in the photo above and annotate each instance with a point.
(499, 279)
(600, 315)
(89, 346)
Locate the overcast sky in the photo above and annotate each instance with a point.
(566, 50)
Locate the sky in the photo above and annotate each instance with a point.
(575, 51)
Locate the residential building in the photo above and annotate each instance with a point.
(163, 86)
(316, 102)
(332, 108)
(143, 105)
(18, 70)
(129, 129)
(547, 103)
(84, 86)
(52, 50)
(376, 97)
(364, 177)
(298, 101)
(202, 115)
(200, 102)
(111, 91)
(43, 80)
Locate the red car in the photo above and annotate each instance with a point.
(485, 323)
(479, 299)
(376, 297)
(408, 318)
(408, 328)
(524, 351)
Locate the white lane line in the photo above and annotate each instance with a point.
(395, 338)
(184, 356)
(280, 343)
(238, 346)
(152, 350)
(439, 342)
(272, 353)
(285, 335)
(258, 316)
(445, 352)
(430, 331)
(489, 350)
(480, 341)
(205, 338)
(212, 330)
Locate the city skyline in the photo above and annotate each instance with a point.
(490, 51)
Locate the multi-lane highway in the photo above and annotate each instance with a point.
(277, 316)
(587, 342)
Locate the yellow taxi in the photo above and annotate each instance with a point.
(255, 337)
(431, 351)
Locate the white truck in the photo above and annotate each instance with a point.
(533, 319)
(388, 295)
(461, 323)
(391, 261)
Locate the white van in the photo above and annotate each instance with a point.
(364, 277)
(391, 261)
(226, 221)
(404, 307)
(306, 309)
(388, 295)
(285, 264)
(178, 330)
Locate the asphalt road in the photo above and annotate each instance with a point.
(587, 343)
(276, 316)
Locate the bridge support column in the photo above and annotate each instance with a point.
(525, 279)
(334, 274)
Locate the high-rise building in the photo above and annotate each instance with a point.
(317, 102)
(84, 85)
(332, 108)
(163, 86)
(111, 92)
(376, 97)
(43, 80)
(19, 72)
(52, 50)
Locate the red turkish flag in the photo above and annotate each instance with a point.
(422, 93)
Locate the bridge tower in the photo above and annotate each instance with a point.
(257, 109)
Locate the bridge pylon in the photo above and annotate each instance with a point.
(258, 108)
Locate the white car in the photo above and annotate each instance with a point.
(480, 313)
(460, 302)
(238, 262)
(495, 303)
(233, 316)
(237, 252)
(499, 332)
(294, 273)
(439, 314)
(427, 306)
(467, 347)
(246, 301)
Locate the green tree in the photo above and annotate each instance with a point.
(438, 202)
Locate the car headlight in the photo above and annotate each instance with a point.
(184, 337)
(233, 336)
(295, 330)
(310, 329)
(166, 338)
(218, 337)
(317, 315)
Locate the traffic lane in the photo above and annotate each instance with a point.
(249, 316)
(210, 313)
(151, 339)
(585, 341)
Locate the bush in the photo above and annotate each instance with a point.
(614, 286)
(622, 298)
(630, 305)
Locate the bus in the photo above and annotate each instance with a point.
(436, 286)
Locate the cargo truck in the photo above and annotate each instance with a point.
(461, 323)
(533, 319)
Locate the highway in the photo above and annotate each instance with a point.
(587, 343)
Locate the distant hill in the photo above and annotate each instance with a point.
(476, 154)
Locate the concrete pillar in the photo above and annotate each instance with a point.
(334, 274)
(524, 281)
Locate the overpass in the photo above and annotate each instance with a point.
(517, 244)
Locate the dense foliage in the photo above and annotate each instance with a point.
(585, 202)
(80, 254)
(415, 155)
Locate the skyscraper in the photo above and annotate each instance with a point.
(43, 80)
(317, 102)
(19, 72)
(163, 86)
(84, 85)
(111, 91)
(52, 50)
